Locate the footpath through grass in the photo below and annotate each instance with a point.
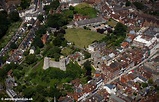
(81, 37)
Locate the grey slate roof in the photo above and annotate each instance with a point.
(110, 86)
(89, 21)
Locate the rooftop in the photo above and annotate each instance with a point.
(148, 41)
(90, 21)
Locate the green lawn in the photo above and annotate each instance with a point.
(81, 37)
(86, 10)
(11, 31)
(112, 22)
(66, 51)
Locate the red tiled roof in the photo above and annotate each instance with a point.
(125, 44)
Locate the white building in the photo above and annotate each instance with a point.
(140, 79)
(92, 47)
(141, 41)
(28, 17)
(111, 89)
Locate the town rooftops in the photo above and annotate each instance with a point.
(116, 99)
(151, 31)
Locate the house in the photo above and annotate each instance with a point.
(11, 93)
(92, 1)
(44, 38)
(141, 41)
(78, 56)
(32, 50)
(111, 89)
(30, 22)
(28, 17)
(71, 2)
(87, 22)
(79, 17)
(46, 2)
(124, 45)
(92, 46)
(114, 98)
(132, 32)
(95, 98)
(140, 79)
(12, 2)
(66, 99)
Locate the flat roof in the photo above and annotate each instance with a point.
(147, 43)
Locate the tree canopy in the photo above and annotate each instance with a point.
(25, 4)
(128, 3)
(14, 16)
(13, 45)
(38, 42)
(56, 21)
(4, 23)
(30, 59)
(40, 18)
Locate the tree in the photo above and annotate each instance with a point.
(46, 8)
(54, 50)
(30, 59)
(87, 55)
(25, 4)
(87, 67)
(56, 21)
(120, 29)
(40, 18)
(55, 4)
(29, 92)
(73, 70)
(26, 53)
(4, 58)
(56, 56)
(13, 45)
(38, 42)
(57, 41)
(4, 23)
(41, 30)
(128, 3)
(71, 8)
(150, 81)
(17, 73)
(101, 31)
(14, 16)
(144, 85)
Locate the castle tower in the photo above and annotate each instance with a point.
(46, 63)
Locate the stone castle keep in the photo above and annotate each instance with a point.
(49, 63)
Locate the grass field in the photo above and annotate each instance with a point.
(86, 10)
(112, 22)
(66, 51)
(81, 37)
